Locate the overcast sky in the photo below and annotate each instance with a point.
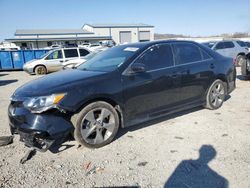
(188, 17)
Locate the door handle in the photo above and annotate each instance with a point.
(175, 75)
(61, 61)
(185, 72)
(212, 66)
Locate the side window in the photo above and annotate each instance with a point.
(55, 55)
(157, 57)
(187, 53)
(219, 46)
(70, 53)
(228, 44)
(205, 55)
(83, 52)
(241, 43)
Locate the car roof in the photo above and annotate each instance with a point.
(150, 43)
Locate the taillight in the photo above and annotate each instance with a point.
(234, 62)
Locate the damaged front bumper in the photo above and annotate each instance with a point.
(39, 131)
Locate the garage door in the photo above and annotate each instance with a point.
(144, 36)
(125, 37)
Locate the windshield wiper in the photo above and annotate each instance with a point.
(84, 69)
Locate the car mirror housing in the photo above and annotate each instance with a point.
(137, 68)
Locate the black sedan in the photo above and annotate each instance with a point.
(123, 86)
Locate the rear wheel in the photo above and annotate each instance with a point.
(96, 125)
(215, 95)
(40, 70)
(240, 60)
(244, 71)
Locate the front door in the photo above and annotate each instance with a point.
(54, 61)
(147, 94)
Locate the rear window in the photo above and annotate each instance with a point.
(70, 53)
(83, 52)
(248, 44)
(228, 44)
(187, 53)
(241, 43)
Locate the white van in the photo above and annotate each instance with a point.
(53, 60)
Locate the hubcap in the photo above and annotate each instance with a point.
(217, 95)
(241, 61)
(98, 125)
(41, 70)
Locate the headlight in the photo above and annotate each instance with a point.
(44, 103)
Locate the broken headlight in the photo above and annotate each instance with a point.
(44, 103)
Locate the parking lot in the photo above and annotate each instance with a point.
(148, 155)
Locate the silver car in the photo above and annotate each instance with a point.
(235, 49)
(53, 60)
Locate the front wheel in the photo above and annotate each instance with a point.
(215, 95)
(40, 70)
(96, 125)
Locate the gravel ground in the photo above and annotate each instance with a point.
(146, 155)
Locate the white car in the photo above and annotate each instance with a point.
(248, 45)
(235, 49)
(54, 59)
(54, 46)
(8, 46)
(93, 46)
(76, 62)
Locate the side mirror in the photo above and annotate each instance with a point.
(137, 68)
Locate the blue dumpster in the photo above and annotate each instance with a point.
(39, 53)
(6, 60)
(28, 55)
(18, 60)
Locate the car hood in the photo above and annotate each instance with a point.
(55, 83)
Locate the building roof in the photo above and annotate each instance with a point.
(50, 31)
(118, 25)
(58, 38)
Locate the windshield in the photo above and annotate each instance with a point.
(42, 56)
(109, 60)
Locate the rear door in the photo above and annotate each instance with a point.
(148, 93)
(196, 69)
(71, 53)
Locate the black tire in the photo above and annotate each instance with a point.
(83, 125)
(40, 70)
(240, 59)
(213, 94)
(244, 68)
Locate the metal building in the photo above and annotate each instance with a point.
(89, 33)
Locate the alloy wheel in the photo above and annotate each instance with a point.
(217, 94)
(41, 70)
(97, 126)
